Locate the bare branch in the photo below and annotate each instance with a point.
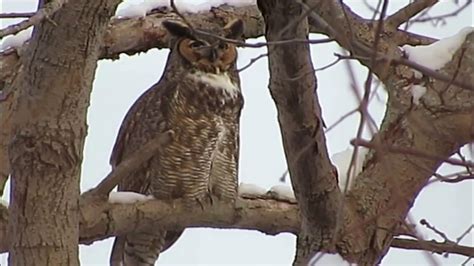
(457, 179)
(426, 71)
(408, 151)
(176, 11)
(432, 246)
(465, 233)
(439, 18)
(17, 15)
(438, 232)
(407, 12)
(252, 61)
(328, 65)
(48, 10)
(264, 44)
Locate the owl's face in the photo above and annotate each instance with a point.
(205, 53)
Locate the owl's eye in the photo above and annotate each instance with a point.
(196, 44)
(223, 45)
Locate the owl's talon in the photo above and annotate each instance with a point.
(211, 200)
(200, 203)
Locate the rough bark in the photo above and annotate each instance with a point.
(293, 88)
(390, 183)
(48, 130)
(388, 186)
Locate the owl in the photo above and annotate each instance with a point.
(199, 100)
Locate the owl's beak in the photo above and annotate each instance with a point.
(209, 52)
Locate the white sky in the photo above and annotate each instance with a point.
(118, 84)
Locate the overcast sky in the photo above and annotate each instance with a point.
(118, 84)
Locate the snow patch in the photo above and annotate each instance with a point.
(4, 203)
(342, 160)
(282, 192)
(434, 56)
(246, 189)
(128, 197)
(437, 54)
(132, 11)
(417, 91)
(140, 9)
(17, 40)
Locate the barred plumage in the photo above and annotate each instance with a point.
(199, 99)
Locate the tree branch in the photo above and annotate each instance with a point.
(409, 11)
(433, 246)
(100, 220)
(409, 151)
(48, 10)
(117, 219)
(17, 15)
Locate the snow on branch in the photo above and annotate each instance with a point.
(17, 40)
(128, 197)
(138, 10)
(436, 55)
(342, 161)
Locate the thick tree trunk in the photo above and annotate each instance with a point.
(293, 88)
(49, 127)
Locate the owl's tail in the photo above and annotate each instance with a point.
(141, 249)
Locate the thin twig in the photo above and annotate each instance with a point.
(408, 151)
(175, 10)
(438, 232)
(432, 246)
(463, 158)
(283, 176)
(17, 15)
(342, 118)
(328, 65)
(252, 61)
(48, 10)
(263, 44)
(426, 71)
(457, 179)
(468, 230)
(420, 19)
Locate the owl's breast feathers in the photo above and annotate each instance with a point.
(210, 93)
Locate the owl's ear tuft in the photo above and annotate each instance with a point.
(234, 29)
(178, 29)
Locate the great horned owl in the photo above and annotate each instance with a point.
(198, 98)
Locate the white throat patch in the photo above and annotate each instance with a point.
(221, 80)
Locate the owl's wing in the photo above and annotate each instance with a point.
(146, 119)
